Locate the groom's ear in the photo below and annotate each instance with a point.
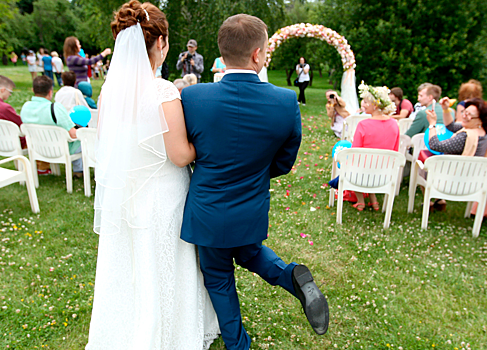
(255, 55)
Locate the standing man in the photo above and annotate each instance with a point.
(190, 61)
(245, 132)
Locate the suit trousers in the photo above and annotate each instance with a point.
(218, 271)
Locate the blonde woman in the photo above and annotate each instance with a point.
(381, 131)
(191, 79)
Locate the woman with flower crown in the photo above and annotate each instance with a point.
(149, 291)
(381, 131)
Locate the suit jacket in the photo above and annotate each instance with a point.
(245, 132)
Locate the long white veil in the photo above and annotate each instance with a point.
(130, 146)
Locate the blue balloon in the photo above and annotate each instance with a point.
(443, 134)
(340, 145)
(80, 115)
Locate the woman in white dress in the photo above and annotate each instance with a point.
(149, 291)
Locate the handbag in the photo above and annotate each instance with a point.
(296, 82)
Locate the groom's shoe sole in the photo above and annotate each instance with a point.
(313, 301)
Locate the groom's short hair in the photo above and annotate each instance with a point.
(238, 36)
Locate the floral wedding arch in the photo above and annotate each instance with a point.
(302, 30)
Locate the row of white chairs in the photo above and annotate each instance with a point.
(48, 144)
(450, 177)
(350, 125)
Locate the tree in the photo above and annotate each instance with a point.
(8, 10)
(405, 43)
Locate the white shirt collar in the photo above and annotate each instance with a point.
(248, 71)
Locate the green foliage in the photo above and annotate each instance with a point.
(405, 43)
(200, 20)
(7, 10)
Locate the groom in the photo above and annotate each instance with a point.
(245, 132)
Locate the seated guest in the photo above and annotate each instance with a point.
(426, 95)
(7, 112)
(380, 131)
(180, 84)
(191, 79)
(404, 106)
(87, 92)
(468, 90)
(470, 138)
(68, 95)
(39, 111)
(218, 66)
(335, 108)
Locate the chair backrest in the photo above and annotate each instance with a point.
(87, 136)
(456, 175)
(404, 125)
(94, 118)
(350, 125)
(368, 167)
(9, 139)
(46, 142)
(417, 142)
(404, 144)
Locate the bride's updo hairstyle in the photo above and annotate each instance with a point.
(154, 23)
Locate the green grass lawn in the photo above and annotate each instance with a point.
(401, 288)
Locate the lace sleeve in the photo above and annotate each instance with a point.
(166, 91)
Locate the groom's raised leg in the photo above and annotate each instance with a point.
(264, 262)
(218, 272)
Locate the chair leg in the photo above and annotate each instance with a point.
(468, 209)
(412, 187)
(478, 218)
(399, 180)
(339, 205)
(386, 200)
(331, 200)
(86, 178)
(29, 181)
(390, 204)
(69, 176)
(56, 169)
(35, 176)
(426, 209)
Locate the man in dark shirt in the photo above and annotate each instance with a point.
(7, 112)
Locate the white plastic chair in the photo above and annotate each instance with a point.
(417, 143)
(350, 125)
(217, 77)
(8, 177)
(9, 141)
(94, 119)
(50, 144)
(87, 136)
(404, 145)
(371, 171)
(404, 125)
(454, 178)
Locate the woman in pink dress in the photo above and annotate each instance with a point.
(381, 131)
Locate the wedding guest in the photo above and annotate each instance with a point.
(335, 108)
(39, 55)
(302, 71)
(7, 112)
(23, 57)
(68, 95)
(191, 79)
(39, 111)
(78, 64)
(57, 67)
(32, 64)
(380, 131)
(427, 93)
(470, 138)
(468, 90)
(404, 106)
(180, 84)
(47, 64)
(14, 58)
(219, 65)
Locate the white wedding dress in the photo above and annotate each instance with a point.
(149, 291)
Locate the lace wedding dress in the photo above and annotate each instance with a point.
(149, 291)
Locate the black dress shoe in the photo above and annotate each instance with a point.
(313, 301)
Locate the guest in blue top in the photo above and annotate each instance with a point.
(219, 65)
(47, 63)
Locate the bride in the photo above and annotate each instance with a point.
(149, 291)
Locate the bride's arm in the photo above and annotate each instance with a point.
(180, 151)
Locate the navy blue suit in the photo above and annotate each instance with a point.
(245, 132)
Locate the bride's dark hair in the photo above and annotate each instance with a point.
(132, 13)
